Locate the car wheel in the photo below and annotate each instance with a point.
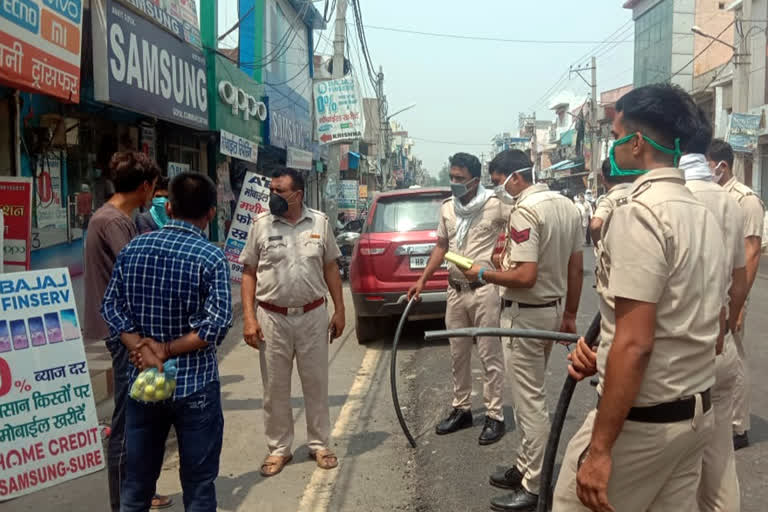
(371, 328)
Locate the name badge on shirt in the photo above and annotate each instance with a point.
(315, 235)
(275, 238)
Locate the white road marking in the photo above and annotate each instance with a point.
(317, 493)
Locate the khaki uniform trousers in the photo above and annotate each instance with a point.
(478, 308)
(526, 361)
(741, 392)
(655, 466)
(304, 337)
(719, 487)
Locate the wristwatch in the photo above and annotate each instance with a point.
(480, 276)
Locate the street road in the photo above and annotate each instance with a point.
(378, 469)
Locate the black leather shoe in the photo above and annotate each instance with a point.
(492, 431)
(511, 478)
(457, 420)
(519, 499)
(740, 441)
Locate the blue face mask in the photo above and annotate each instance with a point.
(157, 211)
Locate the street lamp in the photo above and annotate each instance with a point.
(384, 162)
(409, 107)
(696, 30)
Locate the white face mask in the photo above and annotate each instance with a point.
(717, 174)
(501, 190)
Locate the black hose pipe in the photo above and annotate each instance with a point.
(550, 453)
(393, 373)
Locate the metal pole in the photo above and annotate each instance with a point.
(334, 151)
(595, 162)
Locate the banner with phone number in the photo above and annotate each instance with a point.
(253, 200)
(49, 430)
(16, 203)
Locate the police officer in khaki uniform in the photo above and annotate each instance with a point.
(542, 264)
(661, 290)
(618, 188)
(720, 156)
(470, 224)
(289, 267)
(719, 487)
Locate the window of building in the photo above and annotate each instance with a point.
(653, 44)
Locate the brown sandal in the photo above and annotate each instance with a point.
(274, 464)
(325, 459)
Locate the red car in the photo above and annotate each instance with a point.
(390, 256)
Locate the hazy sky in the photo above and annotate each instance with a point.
(466, 91)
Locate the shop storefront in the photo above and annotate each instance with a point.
(238, 113)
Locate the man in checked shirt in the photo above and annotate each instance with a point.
(169, 297)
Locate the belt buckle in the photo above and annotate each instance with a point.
(295, 311)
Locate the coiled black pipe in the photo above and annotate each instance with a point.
(550, 453)
(393, 372)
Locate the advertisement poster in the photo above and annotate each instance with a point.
(338, 110)
(347, 201)
(147, 144)
(253, 200)
(142, 68)
(40, 46)
(298, 159)
(178, 17)
(50, 211)
(176, 168)
(16, 203)
(49, 429)
(743, 132)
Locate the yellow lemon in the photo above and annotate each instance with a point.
(159, 380)
(149, 389)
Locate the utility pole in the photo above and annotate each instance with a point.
(594, 127)
(535, 150)
(595, 165)
(334, 151)
(383, 127)
(741, 74)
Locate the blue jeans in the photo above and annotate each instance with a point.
(116, 445)
(199, 425)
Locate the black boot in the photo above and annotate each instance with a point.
(492, 431)
(519, 499)
(510, 478)
(740, 441)
(457, 420)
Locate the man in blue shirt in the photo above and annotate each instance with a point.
(169, 297)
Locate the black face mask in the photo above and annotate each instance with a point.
(278, 205)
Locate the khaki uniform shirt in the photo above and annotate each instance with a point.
(289, 258)
(607, 203)
(751, 204)
(664, 247)
(730, 218)
(482, 236)
(544, 227)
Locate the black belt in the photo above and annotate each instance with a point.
(460, 287)
(670, 412)
(509, 303)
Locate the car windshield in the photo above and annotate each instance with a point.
(409, 213)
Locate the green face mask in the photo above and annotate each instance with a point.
(616, 171)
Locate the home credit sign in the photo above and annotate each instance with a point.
(40, 46)
(49, 429)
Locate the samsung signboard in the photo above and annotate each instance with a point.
(141, 67)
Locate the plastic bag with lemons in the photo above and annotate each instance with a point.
(153, 386)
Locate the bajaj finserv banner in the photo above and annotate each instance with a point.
(142, 68)
(50, 431)
(40, 46)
